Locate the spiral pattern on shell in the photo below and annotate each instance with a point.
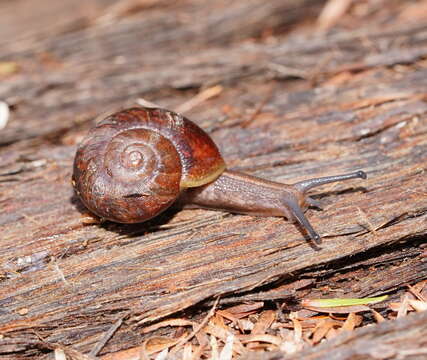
(133, 164)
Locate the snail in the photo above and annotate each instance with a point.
(136, 163)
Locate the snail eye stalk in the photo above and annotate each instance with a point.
(306, 185)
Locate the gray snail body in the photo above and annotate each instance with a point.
(137, 162)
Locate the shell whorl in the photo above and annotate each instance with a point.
(134, 163)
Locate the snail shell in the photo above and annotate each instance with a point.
(134, 164)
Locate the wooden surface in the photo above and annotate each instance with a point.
(404, 338)
(295, 104)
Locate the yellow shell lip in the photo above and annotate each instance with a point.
(195, 182)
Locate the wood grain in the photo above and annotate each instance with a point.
(333, 105)
(400, 339)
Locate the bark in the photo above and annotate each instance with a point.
(404, 338)
(303, 105)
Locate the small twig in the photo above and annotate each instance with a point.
(145, 103)
(198, 327)
(60, 349)
(332, 12)
(107, 336)
(201, 97)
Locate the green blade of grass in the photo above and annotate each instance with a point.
(342, 302)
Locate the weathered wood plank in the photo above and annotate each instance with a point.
(57, 103)
(68, 281)
(87, 271)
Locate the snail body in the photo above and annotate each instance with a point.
(136, 163)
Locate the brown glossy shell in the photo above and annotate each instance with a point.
(133, 164)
